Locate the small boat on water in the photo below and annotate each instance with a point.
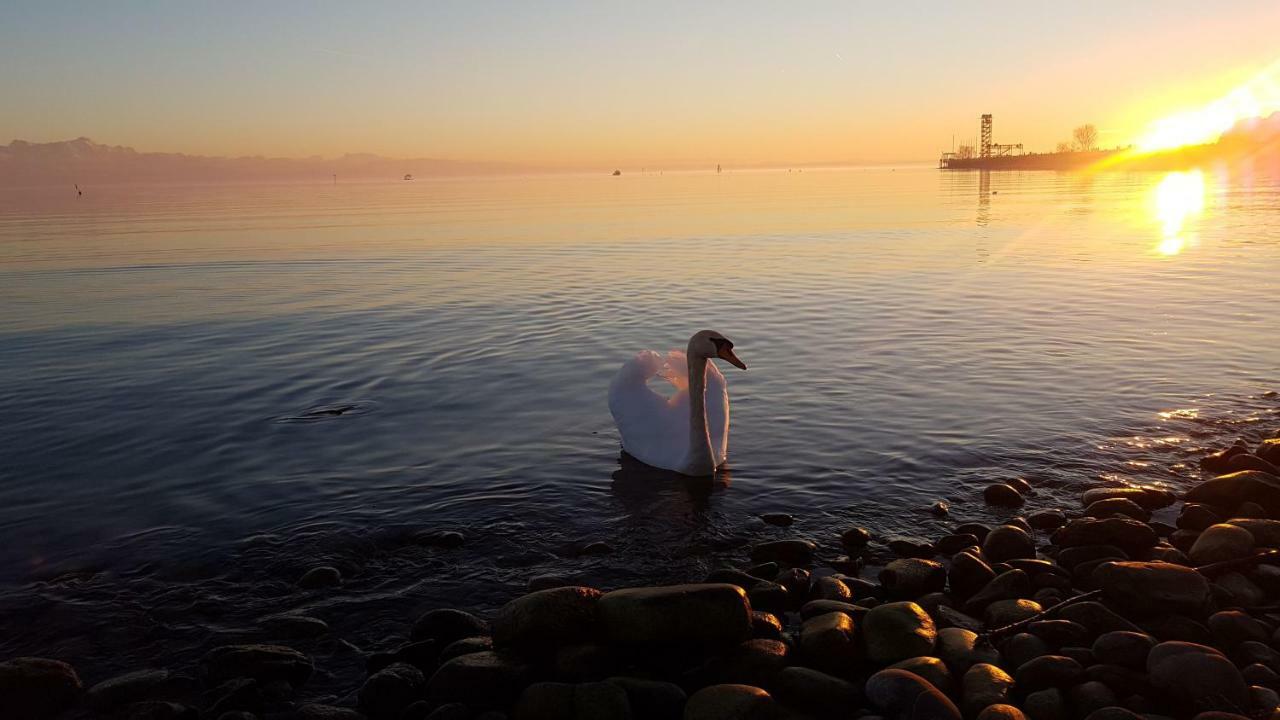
(617, 173)
(408, 176)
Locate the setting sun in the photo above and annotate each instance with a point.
(1258, 97)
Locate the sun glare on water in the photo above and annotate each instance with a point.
(1178, 197)
(1258, 97)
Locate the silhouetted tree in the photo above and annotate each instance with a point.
(1064, 147)
(1086, 136)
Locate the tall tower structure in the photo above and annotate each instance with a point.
(986, 136)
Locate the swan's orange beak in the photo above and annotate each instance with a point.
(725, 352)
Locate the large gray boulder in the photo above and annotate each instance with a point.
(539, 623)
(897, 631)
(1196, 676)
(1153, 587)
(706, 615)
(1231, 490)
(37, 688)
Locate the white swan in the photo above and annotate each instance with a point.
(688, 432)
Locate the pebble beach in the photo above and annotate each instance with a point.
(1096, 612)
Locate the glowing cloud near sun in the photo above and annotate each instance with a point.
(1258, 97)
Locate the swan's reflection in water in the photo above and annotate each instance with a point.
(645, 490)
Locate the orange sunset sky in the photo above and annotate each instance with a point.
(572, 84)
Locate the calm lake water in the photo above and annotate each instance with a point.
(912, 335)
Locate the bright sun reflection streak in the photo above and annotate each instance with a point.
(1179, 196)
(1258, 97)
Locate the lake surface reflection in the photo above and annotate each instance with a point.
(208, 390)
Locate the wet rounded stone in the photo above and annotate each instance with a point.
(565, 701)
(733, 576)
(855, 538)
(484, 679)
(1232, 627)
(1007, 612)
(771, 597)
(584, 662)
(911, 577)
(1148, 497)
(814, 691)
(1001, 712)
(753, 662)
(1114, 712)
(129, 688)
(1095, 616)
(1198, 517)
(1048, 671)
(1131, 536)
(796, 581)
(729, 702)
(444, 625)
(779, 519)
(897, 631)
(707, 615)
(814, 608)
(1089, 696)
(1060, 632)
(1023, 647)
(1008, 585)
(1117, 506)
(1151, 587)
(1047, 519)
(985, 685)
(38, 688)
(829, 588)
(320, 577)
(1259, 674)
(1231, 490)
(293, 626)
(1236, 589)
(1265, 699)
(390, 690)
(828, 642)
(901, 695)
(1068, 558)
(968, 574)
(1047, 704)
(1123, 648)
(1194, 675)
(765, 625)
(977, 529)
(465, 646)
(1007, 542)
(931, 669)
(541, 622)
(960, 650)
(264, 663)
(1119, 679)
(906, 547)
(652, 698)
(1002, 495)
(791, 552)
(1221, 542)
(952, 544)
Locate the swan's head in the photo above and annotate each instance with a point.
(711, 344)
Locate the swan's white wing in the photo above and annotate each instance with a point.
(654, 429)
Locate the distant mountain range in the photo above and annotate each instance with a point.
(85, 161)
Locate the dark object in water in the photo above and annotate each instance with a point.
(617, 173)
(329, 411)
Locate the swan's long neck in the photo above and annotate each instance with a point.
(700, 460)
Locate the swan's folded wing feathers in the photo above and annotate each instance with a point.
(653, 428)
